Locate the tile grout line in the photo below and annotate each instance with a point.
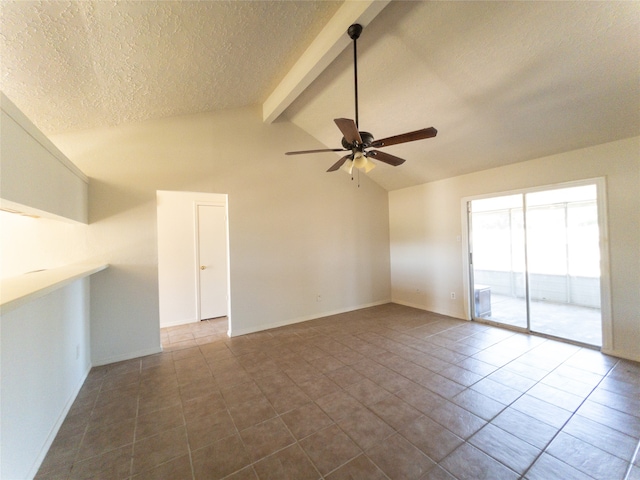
(568, 420)
(543, 450)
(627, 475)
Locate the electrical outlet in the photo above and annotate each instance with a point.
(77, 352)
(453, 295)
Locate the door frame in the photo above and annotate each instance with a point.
(605, 277)
(196, 216)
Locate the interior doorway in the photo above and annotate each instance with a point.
(212, 261)
(180, 258)
(535, 261)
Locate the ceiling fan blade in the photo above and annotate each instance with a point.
(406, 137)
(385, 157)
(349, 130)
(339, 163)
(300, 152)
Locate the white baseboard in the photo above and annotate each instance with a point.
(127, 356)
(259, 328)
(426, 309)
(178, 323)
(56, 427)
(623, 355)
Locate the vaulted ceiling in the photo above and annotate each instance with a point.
(502, 82)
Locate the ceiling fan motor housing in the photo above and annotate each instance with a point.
(367, 140)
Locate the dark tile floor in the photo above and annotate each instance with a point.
(387, 392)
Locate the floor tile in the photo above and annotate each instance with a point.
(526, 428)
(431, 438)
(339, 405)
(211, 428)
(289, 463)
(398, 458)
(103, 439)
(382, 392)
(360, 468)
(548, 467)
(287, 399)
(601, 436)
(306, 420)
(240, 393)
(508, 449)
(250, 413)
(567, 384)
(202, 406)
(497, 391)
(365, 428)
(319, 387)
(437, 473)
(478, 404)
(345, 376)
(625, 423)
(220, 459)
(247, 473)
(113, 464)
(541, 410)
(511, 379)
(460, 375)
(395, 412)
(157, 422)
(477, 366)
(443, 386)
(367, 392)
(420, 398)
(330, 448)
(555, 396)
(624, 404)
(266, 438)
(469, 463)
(457, 419)
(634, 473)
(177, 468)
(152, 451)
(586, 458)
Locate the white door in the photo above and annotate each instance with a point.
(212, 254)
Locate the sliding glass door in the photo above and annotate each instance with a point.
(535, 262)
(498, 260)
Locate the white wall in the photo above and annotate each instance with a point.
(177, 254)
(295, 231)
(425, 224)
(45, 349)
(45, 359)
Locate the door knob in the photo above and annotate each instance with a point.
(202, 267)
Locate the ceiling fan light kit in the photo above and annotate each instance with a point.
(358, 142)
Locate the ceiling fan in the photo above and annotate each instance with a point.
(359, 142)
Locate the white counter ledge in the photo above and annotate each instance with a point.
(17, 291)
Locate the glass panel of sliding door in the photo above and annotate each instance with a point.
(497, 258)
(563, 259)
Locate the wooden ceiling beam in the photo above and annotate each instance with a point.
(329, 43)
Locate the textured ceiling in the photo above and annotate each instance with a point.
(502, 82)
(82, 64)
